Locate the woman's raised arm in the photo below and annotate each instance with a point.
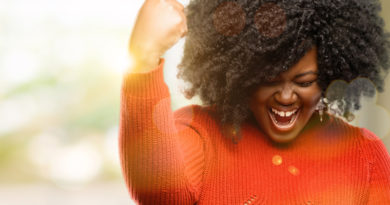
(153, 160)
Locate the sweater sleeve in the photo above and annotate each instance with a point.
(151, 144)
(379, 160)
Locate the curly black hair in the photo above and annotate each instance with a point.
(234, 46)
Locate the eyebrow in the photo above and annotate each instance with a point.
(305, 73)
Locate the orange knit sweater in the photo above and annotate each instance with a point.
(183, 157)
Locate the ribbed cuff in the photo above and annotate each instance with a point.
(146, 85)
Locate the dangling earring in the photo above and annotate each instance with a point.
(321, 105)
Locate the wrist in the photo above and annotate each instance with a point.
(144, 61)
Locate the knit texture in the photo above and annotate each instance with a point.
(185, 157)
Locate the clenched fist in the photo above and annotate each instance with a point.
(159, 25)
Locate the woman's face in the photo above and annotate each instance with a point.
(283, 106)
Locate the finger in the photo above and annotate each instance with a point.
(184, 27)
(176, 4)
(180, 11)
(184, 23)
(179, 8)
(184, 33)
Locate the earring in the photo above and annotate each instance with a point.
(321, 105)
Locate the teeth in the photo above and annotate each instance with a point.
(282, 113)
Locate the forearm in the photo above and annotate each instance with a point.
(151, 161)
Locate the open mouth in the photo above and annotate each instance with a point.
(283, 120)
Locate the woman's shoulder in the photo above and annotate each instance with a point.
(338, 128)
(341, 125)
(344, 134)
(201, 121)
(358, 132)
(374, 148)
(365, 137)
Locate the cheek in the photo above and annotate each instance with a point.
(311, 97)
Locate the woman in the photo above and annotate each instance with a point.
(262, 69)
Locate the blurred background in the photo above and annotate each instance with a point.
(61, 65)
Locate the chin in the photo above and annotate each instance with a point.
(278, 138)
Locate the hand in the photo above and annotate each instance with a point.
(159, 25)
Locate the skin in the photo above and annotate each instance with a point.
(160, 24)
(297, 88)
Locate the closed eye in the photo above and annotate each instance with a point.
(306, 83)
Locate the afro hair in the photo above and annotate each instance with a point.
(234, 46)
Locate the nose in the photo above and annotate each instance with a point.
(286, 95)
